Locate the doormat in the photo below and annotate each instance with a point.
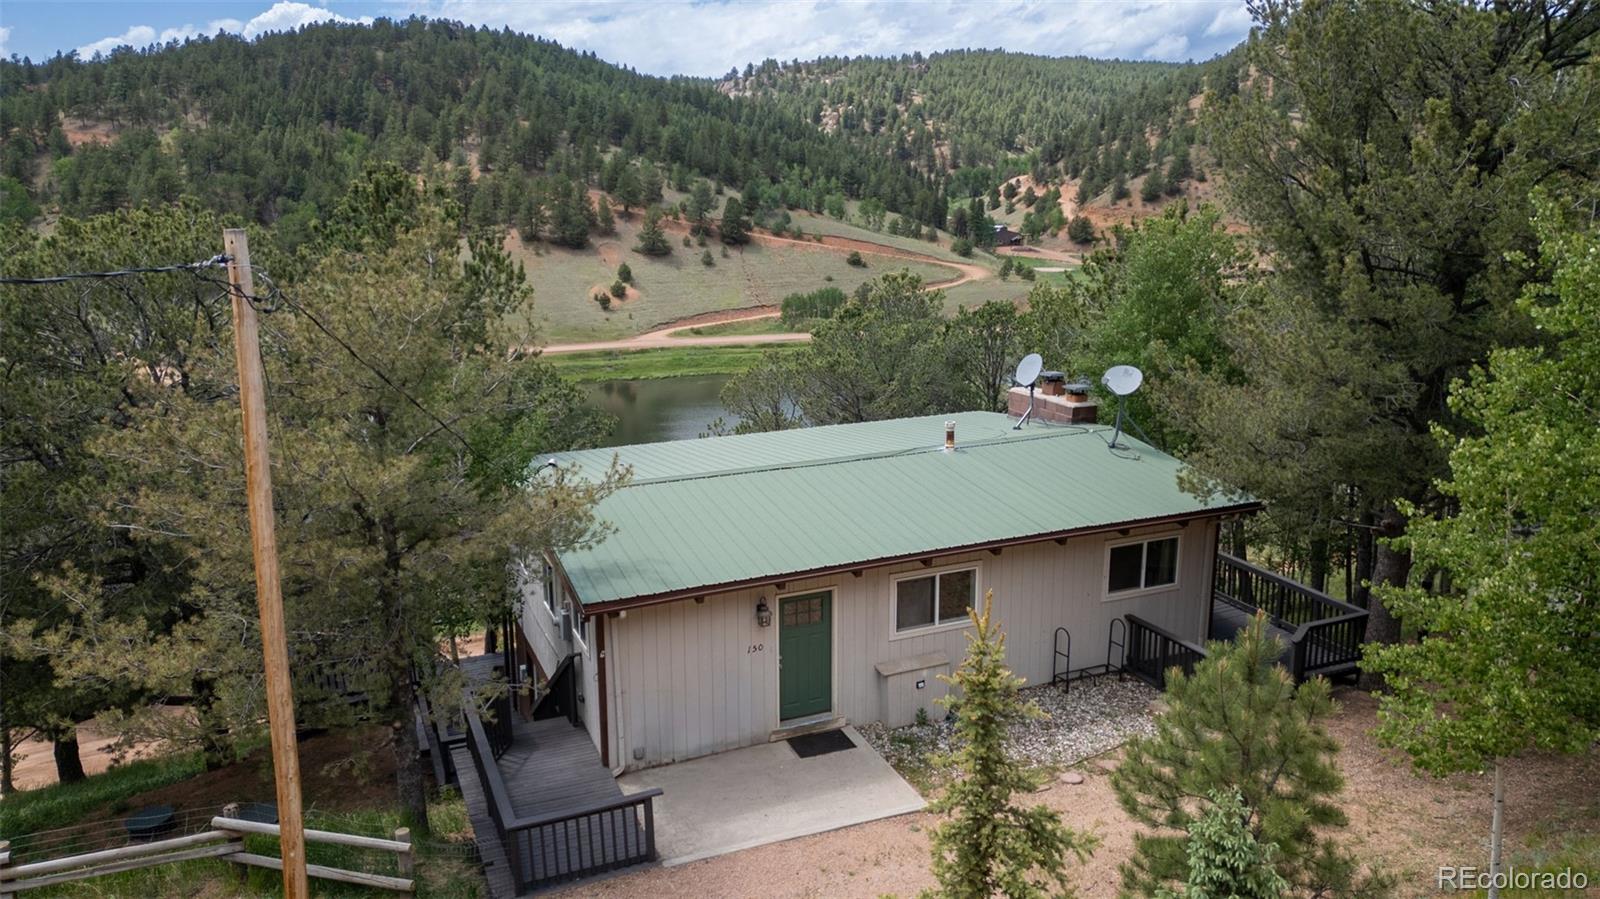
(808, 745)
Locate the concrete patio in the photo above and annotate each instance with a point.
(763, 794)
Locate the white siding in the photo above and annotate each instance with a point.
(694, 678)
(540, 626)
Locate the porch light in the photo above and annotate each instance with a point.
(763, 612)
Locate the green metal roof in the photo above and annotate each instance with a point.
(722, 511)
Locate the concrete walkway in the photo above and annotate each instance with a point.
(763, 794)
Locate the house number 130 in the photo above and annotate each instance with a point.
(755, 647)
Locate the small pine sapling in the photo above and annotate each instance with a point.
(990, 844)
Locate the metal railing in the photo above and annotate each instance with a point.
(1325, 635)
(568, 845)
(1152, 651)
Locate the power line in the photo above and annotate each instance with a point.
(217, 261)
(276, 294)
(265, 305)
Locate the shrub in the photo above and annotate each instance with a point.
(619, 289)
(624, 274)
(855, 259)
(799, 308)
(604, 299)
(706, 259)
(1081, 230)
(961, 246)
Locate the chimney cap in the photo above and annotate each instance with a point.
(1052, 376)
(1078, 386)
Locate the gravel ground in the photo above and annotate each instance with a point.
(1094, 717)
(1411, 823)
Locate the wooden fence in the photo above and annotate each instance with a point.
(225, 841)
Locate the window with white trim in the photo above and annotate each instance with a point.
(548, 580)
(934, 599)
(1141, 565)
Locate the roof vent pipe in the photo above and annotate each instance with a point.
(950, 436)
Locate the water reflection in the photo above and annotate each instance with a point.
(662, 408)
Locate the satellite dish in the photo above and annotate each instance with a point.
(1028, 369)
(1122, 379)
(1027, 373)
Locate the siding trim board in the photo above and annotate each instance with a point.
(785, 576)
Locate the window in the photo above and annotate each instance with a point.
(931, 600)
(1142, 565)
(578, 633)
(549, 582)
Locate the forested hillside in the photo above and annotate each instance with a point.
(274, 128)
(985, 115)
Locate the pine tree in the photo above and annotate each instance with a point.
(698, 208)
(735, 227)
(990, 844)
(604, 223)
(1238, 725)
(652, 240)
(569, 216)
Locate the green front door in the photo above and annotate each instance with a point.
(805, 655)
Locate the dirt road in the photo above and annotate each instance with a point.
(663, 336)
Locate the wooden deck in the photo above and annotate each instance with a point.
(569, 817)
(491, 852)
(1228, 619)
(553, 769)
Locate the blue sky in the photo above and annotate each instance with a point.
(691, 37)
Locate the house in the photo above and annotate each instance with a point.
(1005, 237)
(756, 586)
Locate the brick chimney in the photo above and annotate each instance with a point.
(1072, 407)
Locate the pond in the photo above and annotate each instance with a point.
(658, 409)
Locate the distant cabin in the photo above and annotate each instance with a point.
(853, 552)
(1005, 237)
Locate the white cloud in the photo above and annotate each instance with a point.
(5, 38)
(708, 37)
(1168, 46)
(137, 36)
(281, 16)
(184, 32)
(1232, 20)
(285, 16)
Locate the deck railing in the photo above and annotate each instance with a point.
(565, 846)
(1153, 651)
(1325, 634)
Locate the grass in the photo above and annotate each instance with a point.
(824, 225)
(60, 805)
(670, 362)
(677, 286)
(1565, 843)
(445, 865)
(749, 326)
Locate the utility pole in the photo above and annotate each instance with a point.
(269, 593)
